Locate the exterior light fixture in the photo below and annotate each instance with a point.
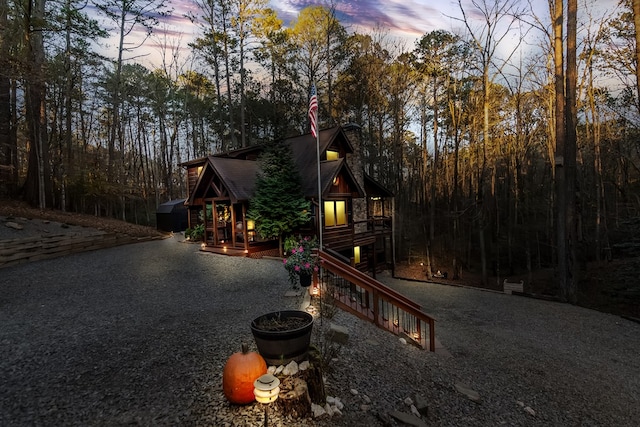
(203, 245)
(224, 248)
(266, 388)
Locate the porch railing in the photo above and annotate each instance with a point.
(367, 298)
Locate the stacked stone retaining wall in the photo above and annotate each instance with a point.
(16, 251)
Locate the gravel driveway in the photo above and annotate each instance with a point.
(139, 334)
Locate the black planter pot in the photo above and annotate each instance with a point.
(305, 280)
(282, 346)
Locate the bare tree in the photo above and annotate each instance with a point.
(127, 15)
(499, 18)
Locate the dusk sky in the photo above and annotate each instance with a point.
(406, 20)
(403, 20)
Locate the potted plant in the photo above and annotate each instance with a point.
(301, 262)
(283, 336)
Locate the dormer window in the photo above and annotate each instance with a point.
(332, 155)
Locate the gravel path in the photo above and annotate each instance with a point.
(139, 334)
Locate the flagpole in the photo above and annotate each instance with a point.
(319, 180)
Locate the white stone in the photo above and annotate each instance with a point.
(304, 365)
(271, 370)
(520, 403)
(331, 400)
(365, 408)
(403, 341)
(317, 410)
(291, 368)
(279, 369)
(337, 411)
(328, 410)
(339, 405)
(415, 411)
(530, 411)
(354, 391)
(408, 401)
(366, 398)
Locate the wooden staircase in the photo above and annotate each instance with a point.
(367, 298)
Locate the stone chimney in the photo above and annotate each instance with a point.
(354, 160)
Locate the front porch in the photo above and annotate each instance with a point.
(265, 249)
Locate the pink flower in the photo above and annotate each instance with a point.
(315, 268)
(296, 268)
(307, 265)
(293, 250)
(284, 261)
(301, 249)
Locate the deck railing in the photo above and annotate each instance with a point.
(367, 298)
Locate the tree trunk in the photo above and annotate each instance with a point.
(8, 144)
(570, 156)
(36, 183)
(636, 22)
(561, 201)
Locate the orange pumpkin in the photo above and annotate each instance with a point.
(240, 371)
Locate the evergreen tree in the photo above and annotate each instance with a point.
(279, 205)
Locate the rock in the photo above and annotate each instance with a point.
(272, 369)
(365, 408)
(414, 411)
(337, 412)
(279, 369)
(530, 411)
(328, 409)
(339, 405)
(291, 368)
(467, 391)
(403, 341)
(408, 419)
(304, 365)
(14, 225)
(292, 293)
(317, 410)
(354, 391)
(408, 401)
(338, 334)
(366, 398)
(421, 404)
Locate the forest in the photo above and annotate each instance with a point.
(510, 141)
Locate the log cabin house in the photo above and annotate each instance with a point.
(357, 211)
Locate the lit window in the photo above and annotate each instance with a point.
(335, 213)
(356, 254)
(199, 170)
(332, 155)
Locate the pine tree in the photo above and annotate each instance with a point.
(279, 205)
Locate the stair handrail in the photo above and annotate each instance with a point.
(380, 293)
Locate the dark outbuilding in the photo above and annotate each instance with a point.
(172, 216)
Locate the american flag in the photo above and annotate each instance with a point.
(313, 111)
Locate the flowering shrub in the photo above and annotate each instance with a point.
(300, 259)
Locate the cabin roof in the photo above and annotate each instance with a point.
(237, 169)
